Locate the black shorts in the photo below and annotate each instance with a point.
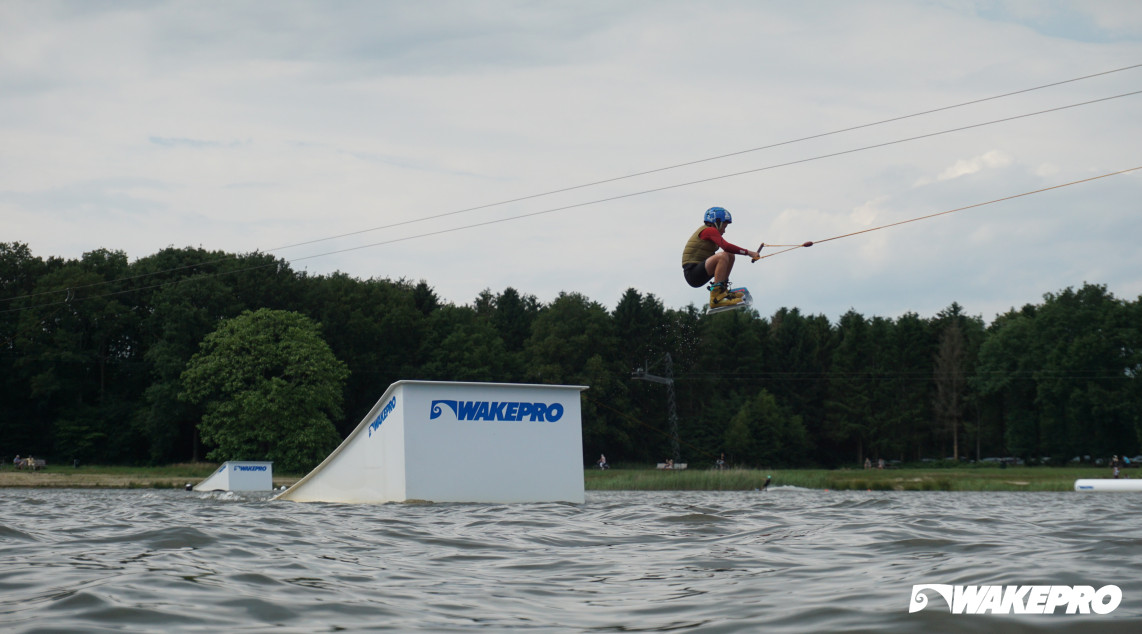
(695, 273)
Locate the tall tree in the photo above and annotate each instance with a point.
(269, 385)
(950, 384)
(1009, 360)
(910, 384)
(797, 365)
(957, 391)
(849, 405)
(764, 434)
(459, 346)
(1084, 383)
(573, 342)
(373, 326)
(884, 438)
(512, 316)
(79, 357)
(21, 422)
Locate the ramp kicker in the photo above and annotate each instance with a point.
(457, 442)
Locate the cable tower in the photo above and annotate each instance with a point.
(668, 380)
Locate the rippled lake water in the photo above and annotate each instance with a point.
(784, 560)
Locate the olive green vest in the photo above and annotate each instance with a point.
(698, 250)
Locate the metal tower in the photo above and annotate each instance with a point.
(667, 380)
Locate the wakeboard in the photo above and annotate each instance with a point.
(746, 302)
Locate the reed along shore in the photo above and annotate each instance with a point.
(947, 479)
(632, 479)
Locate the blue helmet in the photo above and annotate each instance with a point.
(718, 214)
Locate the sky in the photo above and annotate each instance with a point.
(423, 141)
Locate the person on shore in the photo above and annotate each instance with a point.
(702, 262)
(18, 462)
(603, 462)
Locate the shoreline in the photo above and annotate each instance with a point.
(1037, 479)
(57, 480)
(966, 479)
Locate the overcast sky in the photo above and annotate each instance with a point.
(245, 126)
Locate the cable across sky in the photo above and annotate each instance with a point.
(791, 248)
(709, 159)
(711, 179)
(656, 189)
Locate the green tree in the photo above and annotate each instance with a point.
(883, 438)
(512, 315)
(909, 385)
(727, 370)
(573, 342)
(425, 298)
(950, 384)
(956, 404)
(21, 427)
(640, 323)
(565, 335)
(459, 346)
(179, 317)
(1005, 379)
(79, 358)
(850, 403)
(762, 433)
(374, 327)
(800, 356)
(1084, 383)
(270, 385)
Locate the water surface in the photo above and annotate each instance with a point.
(784, 560)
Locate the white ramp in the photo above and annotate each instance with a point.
(240, 475)
(1098, 484)
(457, 442)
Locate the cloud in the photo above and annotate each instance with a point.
(173, 142)
(992, 159)
(1089, 21)
(252, 125)
(966, 167)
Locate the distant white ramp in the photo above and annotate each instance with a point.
(457, 442)
(240, 475)
(1100, 484)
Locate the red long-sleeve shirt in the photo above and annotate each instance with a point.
(715, 236)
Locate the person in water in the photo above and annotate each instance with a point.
(701, 260)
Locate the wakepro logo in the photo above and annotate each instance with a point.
(388, 409)
(495, 410)
(1019, 599)
(249, 467)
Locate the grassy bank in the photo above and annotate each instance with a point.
(175, 476)
(961, 479)
(647, 479)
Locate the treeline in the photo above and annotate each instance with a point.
(93, 351)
